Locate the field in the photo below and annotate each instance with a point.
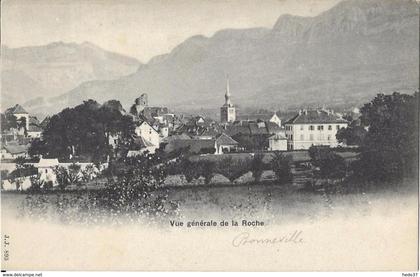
(367, 231)
(274, 204)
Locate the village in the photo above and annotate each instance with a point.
(159, 129)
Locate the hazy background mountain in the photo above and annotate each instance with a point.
(342, 56)
(42, 72)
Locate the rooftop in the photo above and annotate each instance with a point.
(315, 116)
(15, 148)
(17, 109)
(47, 163)
(224, 139)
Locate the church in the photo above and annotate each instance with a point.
(228, 110)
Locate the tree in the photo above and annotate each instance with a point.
(61, 175)
(280, 164)
(21, 124)
(390, 149)
(68, 176)
(330, 164)
(132, 190)
(257, 166)
(354, 134)
(233, 168)
(22, 171)
(85, 130)
(3, 176)
(88, 173)
(8, 121)
(36, 182)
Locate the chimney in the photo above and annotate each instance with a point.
(300, 112)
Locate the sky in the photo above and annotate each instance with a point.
(141, 28)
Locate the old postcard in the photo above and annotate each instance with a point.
(209, 135)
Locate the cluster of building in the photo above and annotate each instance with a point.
(15, 140)
(156, 127)
(235, 133)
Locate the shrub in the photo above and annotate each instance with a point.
(257, 166)
(280, 164)
(330, 164)
(233, 168)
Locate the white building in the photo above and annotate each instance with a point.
(277, 142)
(314, 127)
(148, 133)
(228, 110)
(46, 169)
(225, 144)
(275, 119)
(19, 112)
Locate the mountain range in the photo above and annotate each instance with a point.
(342, 56)
(41, 72)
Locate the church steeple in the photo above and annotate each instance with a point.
(227, 94)
(227, 111)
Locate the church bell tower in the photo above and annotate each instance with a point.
(228, 110)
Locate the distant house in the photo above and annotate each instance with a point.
(221, 144)
(13, 150)
(148, 133)
(261, 117)
(313, 127)
(34, 130)
(140, 147)
(20, 113)
(163, 130)
(46, 170)
(225, 143)
(277, 142)
(200, 128)
(194, 146)
(253, 135)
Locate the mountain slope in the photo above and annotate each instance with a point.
(344, 55)
(53, 69)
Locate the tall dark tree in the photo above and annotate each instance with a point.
(354, 134)
(8, 121)
(280, 164)
(84, 130)
(390, 148)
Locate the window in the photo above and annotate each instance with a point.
(301, 127)
(46, 170)
(311, 128)
(338, 127)
(291, 137)
(302, 137)
(329, 127)
(311, 137)
(320, 127)
(329, 137)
